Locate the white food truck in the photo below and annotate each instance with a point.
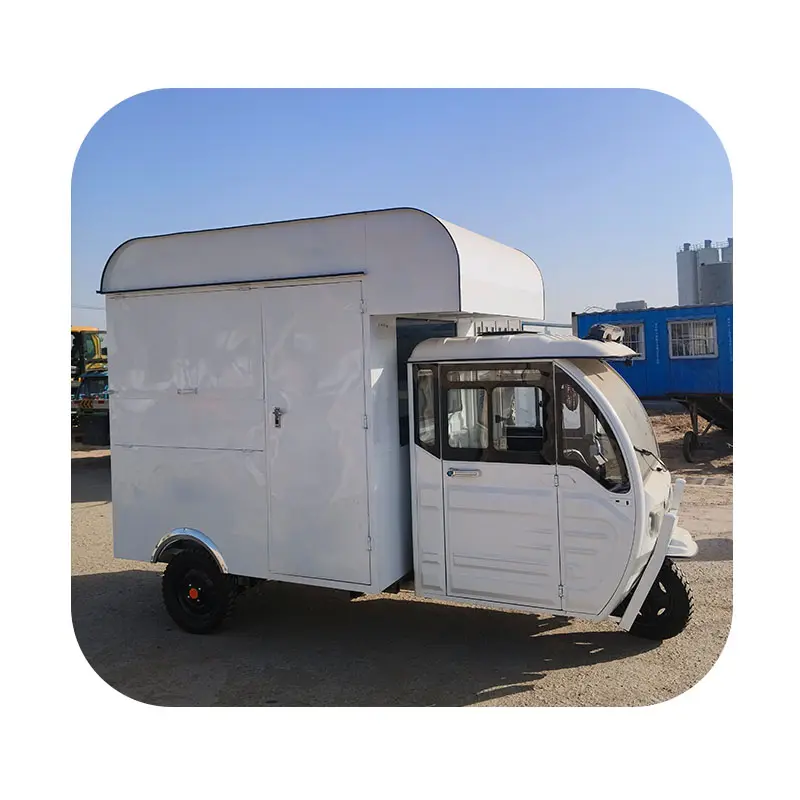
(328, 402)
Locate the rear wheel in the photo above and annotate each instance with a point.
(197, 594)
(667, 608)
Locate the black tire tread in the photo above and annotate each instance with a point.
(194, 556)
(671, 575)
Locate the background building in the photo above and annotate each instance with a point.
(705, 273)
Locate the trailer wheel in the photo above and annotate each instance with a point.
(690, 443)
(198, 596)
(668, 607)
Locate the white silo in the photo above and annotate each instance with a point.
(687, 276)
(707, 254)
(715, 283)
(715, 278)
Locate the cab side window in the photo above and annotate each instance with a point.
(425, 409)
(498, 412)
(467, 420)
(518, 418)
(585, 439)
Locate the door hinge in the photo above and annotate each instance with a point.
(366, 422)
(363, 306)
(369, 542)
(560, 590)
(555, 480)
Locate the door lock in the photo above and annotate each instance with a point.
(277, 413)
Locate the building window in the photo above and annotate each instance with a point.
(695, 338)
(633, 337)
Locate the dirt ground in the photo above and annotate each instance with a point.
(298, 646)
(714, 464)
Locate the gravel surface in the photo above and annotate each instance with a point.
(299, 646)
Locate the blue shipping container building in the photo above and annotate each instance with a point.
(684, 351)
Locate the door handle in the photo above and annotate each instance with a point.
(277, 413)
(193, 390)
(463, 473)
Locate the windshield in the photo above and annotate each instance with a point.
(628, 407)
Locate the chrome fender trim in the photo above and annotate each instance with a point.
(188, 534)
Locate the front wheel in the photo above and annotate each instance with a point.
(667, 608)
(197, 594)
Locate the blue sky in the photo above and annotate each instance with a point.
(599, 187)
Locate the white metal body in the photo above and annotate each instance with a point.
(501, 533)
(256, 412)
(544, 537)
(413, 262)
(210, 332)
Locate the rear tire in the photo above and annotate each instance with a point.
(197, 594)
(667, 608)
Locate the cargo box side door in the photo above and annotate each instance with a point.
(316, 437)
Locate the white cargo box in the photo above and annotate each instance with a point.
(258, 381)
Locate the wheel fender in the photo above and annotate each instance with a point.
(681, 544)
(650, 571)
(178, 535)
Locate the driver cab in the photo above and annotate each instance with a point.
(521, 492)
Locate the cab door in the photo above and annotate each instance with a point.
(596, 510)
(499, 483)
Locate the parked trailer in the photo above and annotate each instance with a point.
(684, 354)
(267, 423)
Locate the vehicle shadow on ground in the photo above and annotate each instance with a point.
(91, 479)
(301, 646)
(714, 550)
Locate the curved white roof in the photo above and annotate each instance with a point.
(516, 347)
(412, 262)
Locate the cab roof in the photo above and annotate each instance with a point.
(516, 347)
